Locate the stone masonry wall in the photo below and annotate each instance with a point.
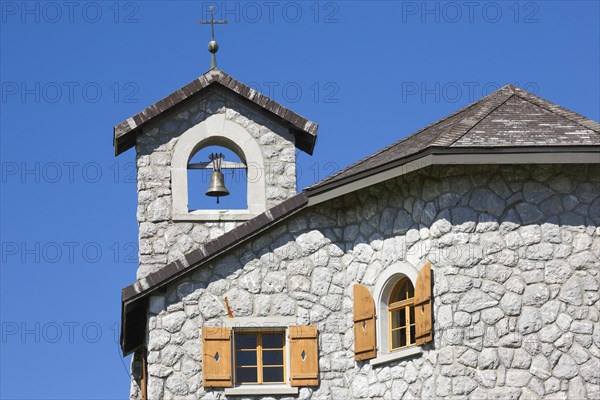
(160, 239)
(515, 257)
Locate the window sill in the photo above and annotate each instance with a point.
(251, 390)
(396, 355)
(215, 215)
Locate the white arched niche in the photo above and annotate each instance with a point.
(216, 130)
(381, 295)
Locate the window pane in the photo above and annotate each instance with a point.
(398, 318)
(245, 341)
(412, 334)
(272, 340)
(410, 289)
(272, 357)
(402, 291)
(398, 338)
(246, 375)
(245, 358)
(272, 374)
(412, 314)
(399, 292)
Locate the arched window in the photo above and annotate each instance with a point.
(401, 306)
(396, 319)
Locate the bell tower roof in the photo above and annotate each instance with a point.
(304, 131)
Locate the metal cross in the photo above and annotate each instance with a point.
(213, 47)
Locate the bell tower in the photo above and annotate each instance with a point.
(219, 126)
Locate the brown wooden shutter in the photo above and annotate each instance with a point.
(423, 315)
(365, 342)
(216, 357)
(144, 377)
(304, 356)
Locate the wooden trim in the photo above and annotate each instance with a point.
(365, 341)
(259, 356)
(302, 332)
(304, 356)
(218, 377)
(406, 304)
(216, 372)
(144, 377)
(311, 375)
(423, 309)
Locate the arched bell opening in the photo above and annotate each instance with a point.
(207, 188)
(246, 201)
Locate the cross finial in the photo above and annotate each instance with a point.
(213, 47)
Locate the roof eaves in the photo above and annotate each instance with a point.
(123, 130)
(443, 150)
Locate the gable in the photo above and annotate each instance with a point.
(305, 131)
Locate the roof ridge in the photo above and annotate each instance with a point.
(482, 118)
(554, 108)
(505, 93)
(398, 142)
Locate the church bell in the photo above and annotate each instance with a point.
(217, 179)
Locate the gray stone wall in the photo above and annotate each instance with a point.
(515, 258)
(162, 240)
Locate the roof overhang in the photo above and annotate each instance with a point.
(455, 156)
(304, 131)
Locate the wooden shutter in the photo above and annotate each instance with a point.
(423, 315)
(365, 342)
(304, 356)
(144, 377)
(216, 357)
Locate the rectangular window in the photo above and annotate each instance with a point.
(259, 357)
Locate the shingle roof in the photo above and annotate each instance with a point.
(508, 117)
(304, 130)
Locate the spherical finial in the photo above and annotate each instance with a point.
(213, 47)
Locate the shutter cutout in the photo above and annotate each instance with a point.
(365, 342)
(304, 356)
(216, 357)
(423, 316)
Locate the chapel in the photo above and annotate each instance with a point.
(461, 261)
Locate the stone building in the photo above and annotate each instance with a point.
(459, 262)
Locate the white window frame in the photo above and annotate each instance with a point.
(381, 294)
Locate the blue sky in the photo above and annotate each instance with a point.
(369, 73)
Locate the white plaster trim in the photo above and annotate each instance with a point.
(455, 159)
(217, 130)
(258, 322)
(381, 292)
(396, 355)
(215, 215)
(250, 390)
